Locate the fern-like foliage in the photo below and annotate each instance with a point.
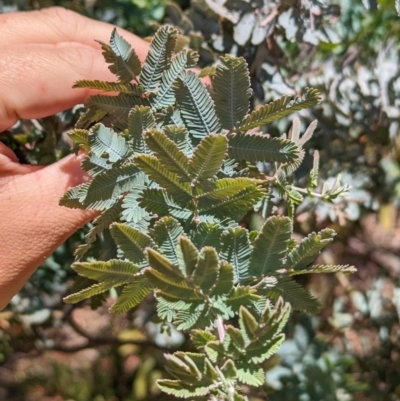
(174, 172)
(231, 84)
(280, 108)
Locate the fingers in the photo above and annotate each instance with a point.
(36, 80)
(32, 223)
(55, 25)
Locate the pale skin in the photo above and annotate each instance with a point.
(42, 54)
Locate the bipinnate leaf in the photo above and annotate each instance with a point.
(105, 86)
(140, 119)
(249, 374)
(123, 60)
(168, 153)
(308, 249)
(293, 293)
(346, 269)
(163, 265)
(248, 325)
(179, 191)
(185, 59)
(100, 224)
(117, 106)
(180, 136)
(104, 142)
(171, 284)
(74, 197)
(104, 190)
(174, 387)
(80, 138)
(95, 165)
(207, 270)
(165, 234)
(257, 147)
(196, 105)
(270, 246)
(280, 108)
(224, 283)
(236, 250)
(158, 57)
(231, 91)
(208, 157)
(113, 271)
(187, 256)
(207, 234)
(131, 242)
(132, 295)
(200, 338)
(89, 292)
(232, 197)
(157, 201)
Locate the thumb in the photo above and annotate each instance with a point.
(32, 224)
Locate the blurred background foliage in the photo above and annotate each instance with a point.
(50, 351)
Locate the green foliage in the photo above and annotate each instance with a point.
(173, 206)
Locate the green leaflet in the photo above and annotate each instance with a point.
(89, 292)
(201, 337)
(207, 270)
(180, 136)
(100, 224)
(241, 296)
(164, 267)
(187, 256)
(178, 190)
(173, 387)
(168, 153)
(295, 294)
(119, 106)
(123, 60)
(105, 86)
(224, 283)
(165, 234)
(231, 91)
(110, 185)
(261, 148)
(140, 119)
(230, 196)
(207, 234)
(80, 138)
(236, 250)
(156, 200)
(95, 165)
(170, 286)
(208, 157)
(131, 211)
(104, 141)
(74, 197)
(113, 271)
(196, 105)
(270, 246)
(251, 375)
(91, 116)
(185, 59)
(158, 57)
(132, 295)
(346, 269)
(280, 108)
(131, 242)
(308, 249)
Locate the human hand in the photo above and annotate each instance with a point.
(42, 54)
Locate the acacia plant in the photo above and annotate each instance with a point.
(174, 167)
